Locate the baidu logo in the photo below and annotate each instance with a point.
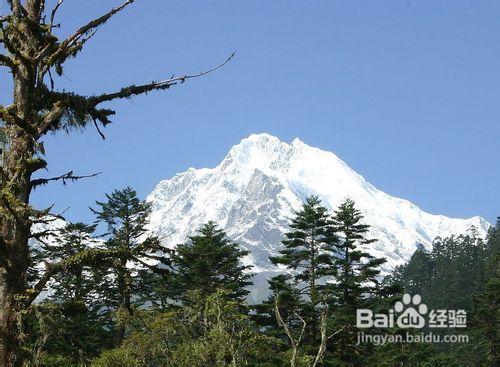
(411, 313)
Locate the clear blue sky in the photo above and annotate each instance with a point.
(406, 92)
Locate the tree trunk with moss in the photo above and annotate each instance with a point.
(33, 54)
(19, 162)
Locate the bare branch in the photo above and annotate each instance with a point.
(145, 88)
(46, 233)
(45, 216)
(322, 345)
(66, 177)
(155, 269)
(98, 129)
(53, 14)
(64, 47)
(294, 341)
(86, 257)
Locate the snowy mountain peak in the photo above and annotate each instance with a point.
(254, 191)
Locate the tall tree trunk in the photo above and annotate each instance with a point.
(18, 166)
(15, 229)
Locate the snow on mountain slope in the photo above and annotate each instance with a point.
(254, 191)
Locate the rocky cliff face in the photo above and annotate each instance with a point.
(253, 193)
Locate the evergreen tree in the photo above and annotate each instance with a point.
(308, 252)
(357, 269)
(357, 278)
(69, 324)
(450, 274)
(76, 283)
(308, 248)
(288, 299)
(208, 262)
(417, 274)
(461, 272)
(486, 318)
(126, 218)
(486, 313)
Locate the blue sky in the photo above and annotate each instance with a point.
(406, 92)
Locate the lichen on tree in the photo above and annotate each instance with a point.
(33, 52)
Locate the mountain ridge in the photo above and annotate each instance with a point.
(256, 188)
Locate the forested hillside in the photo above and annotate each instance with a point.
(137, 303)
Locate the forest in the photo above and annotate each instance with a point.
(134, 302)
(107, 293)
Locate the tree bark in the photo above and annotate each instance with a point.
(15, 220)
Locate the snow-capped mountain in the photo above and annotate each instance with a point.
(254, 191)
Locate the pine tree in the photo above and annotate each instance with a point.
(417, 275)
(357, 277)
(126, 218)
(308, 248)
(486, 317)
(357, 269)
(210, 261)
(76, 283)
(69, 323)
(486, 313)
(289, 302)
(308, 252)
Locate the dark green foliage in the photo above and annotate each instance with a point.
(358, 271)
(189, 309)
(210, 262)
(461, 272)
(416, 275)
(126, 218)
(357, 280)
(486, 319)
(69, 332)
(486, 311)
(211, 331)
(289, 301)
(78, 282)
(69, 326)
(450, 274)
(309, 248)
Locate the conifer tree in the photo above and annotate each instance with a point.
(486, 313)
(289, 301)
(69, 324)
(486, 317)
(309, 247)
(126, 218)
(417, 274)
(356, 278)
(76, 283)
(208, 262)
(357, 269)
